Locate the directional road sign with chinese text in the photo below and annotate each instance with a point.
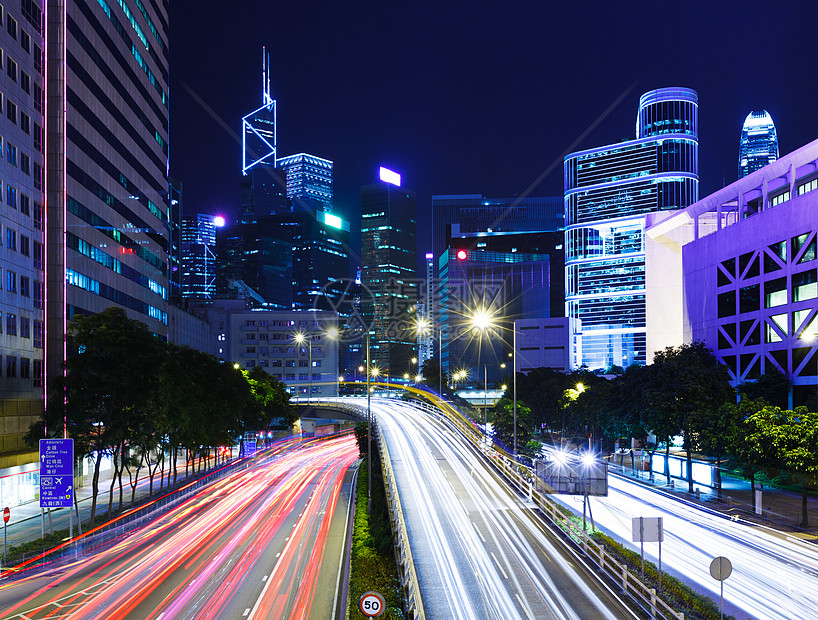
(56, 473)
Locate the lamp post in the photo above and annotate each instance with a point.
(368, 434)
(299, 339)
(514, 381)
(481, 321)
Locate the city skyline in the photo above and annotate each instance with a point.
(486, 101)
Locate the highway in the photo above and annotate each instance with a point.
(479, 551)
(775, 575)
(263, 542)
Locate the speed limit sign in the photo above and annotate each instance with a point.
(372, 604)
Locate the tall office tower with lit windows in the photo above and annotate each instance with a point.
(106, 164)
(309, 181)
(22, 273)
(388, 229)
(198, 256)
(758, 145)
(427, 306)
(608, 192)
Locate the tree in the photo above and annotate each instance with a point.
(688, 386)
(724, 433)
(773, 386)
(789, 439)
(102, 399)
(272, 395)
(541, 389)
(503, 412)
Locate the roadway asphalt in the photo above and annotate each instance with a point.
(263, 542)
(480, 551)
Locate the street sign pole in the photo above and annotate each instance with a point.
(6, 516)
(721, 569)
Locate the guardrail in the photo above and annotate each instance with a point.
(413, 602)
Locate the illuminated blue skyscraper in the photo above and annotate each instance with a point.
(758, 145)
(608, 192)
(263, 186)
(198, 257)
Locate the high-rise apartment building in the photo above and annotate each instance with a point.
(758, 145)
(106, 164)
(388, 229)
(309, 181)
(198, 256)
(608, 192)
(22, 270)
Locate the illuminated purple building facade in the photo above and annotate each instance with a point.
(738, 270)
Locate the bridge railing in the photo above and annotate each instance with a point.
(413, 603)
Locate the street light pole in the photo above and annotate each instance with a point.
(368, 434)
(309, 375)
(514, 384)
(440, 360)
(485, 402)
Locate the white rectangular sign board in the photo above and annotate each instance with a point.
(647, 529)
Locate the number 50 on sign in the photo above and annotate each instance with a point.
(372, 604)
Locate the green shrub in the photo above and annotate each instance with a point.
(372, 561)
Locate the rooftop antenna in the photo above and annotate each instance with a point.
(265, 75)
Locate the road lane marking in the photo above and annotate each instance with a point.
(525, 609)
(502, 570)
(246, 612)
(478, 532)
(265, 577)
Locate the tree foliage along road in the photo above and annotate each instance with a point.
(130, 395)
(686, 392)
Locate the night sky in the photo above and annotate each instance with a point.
(475, 97)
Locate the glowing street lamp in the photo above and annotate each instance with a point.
(299, 338)
(482, 320)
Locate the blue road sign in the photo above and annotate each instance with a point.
(56, 473)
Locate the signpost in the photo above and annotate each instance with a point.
(372, 604)
(648, 529)
(720, 569)
(57, 476)
(6, 517)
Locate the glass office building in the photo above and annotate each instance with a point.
(388, 276)
(198, 257)
(309, 181)
(758, 145)
(108, 205)
(608, 192)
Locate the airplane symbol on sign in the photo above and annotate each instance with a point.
(59, 480)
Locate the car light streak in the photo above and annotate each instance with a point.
(195, 560)
(478, 551)
(774, 575)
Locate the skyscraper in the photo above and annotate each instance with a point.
(22, 273)
(608, 192)
(106, 164)
(388, 229)
(263, 186)
(758, 145)
(309, 181)
(198, 257)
